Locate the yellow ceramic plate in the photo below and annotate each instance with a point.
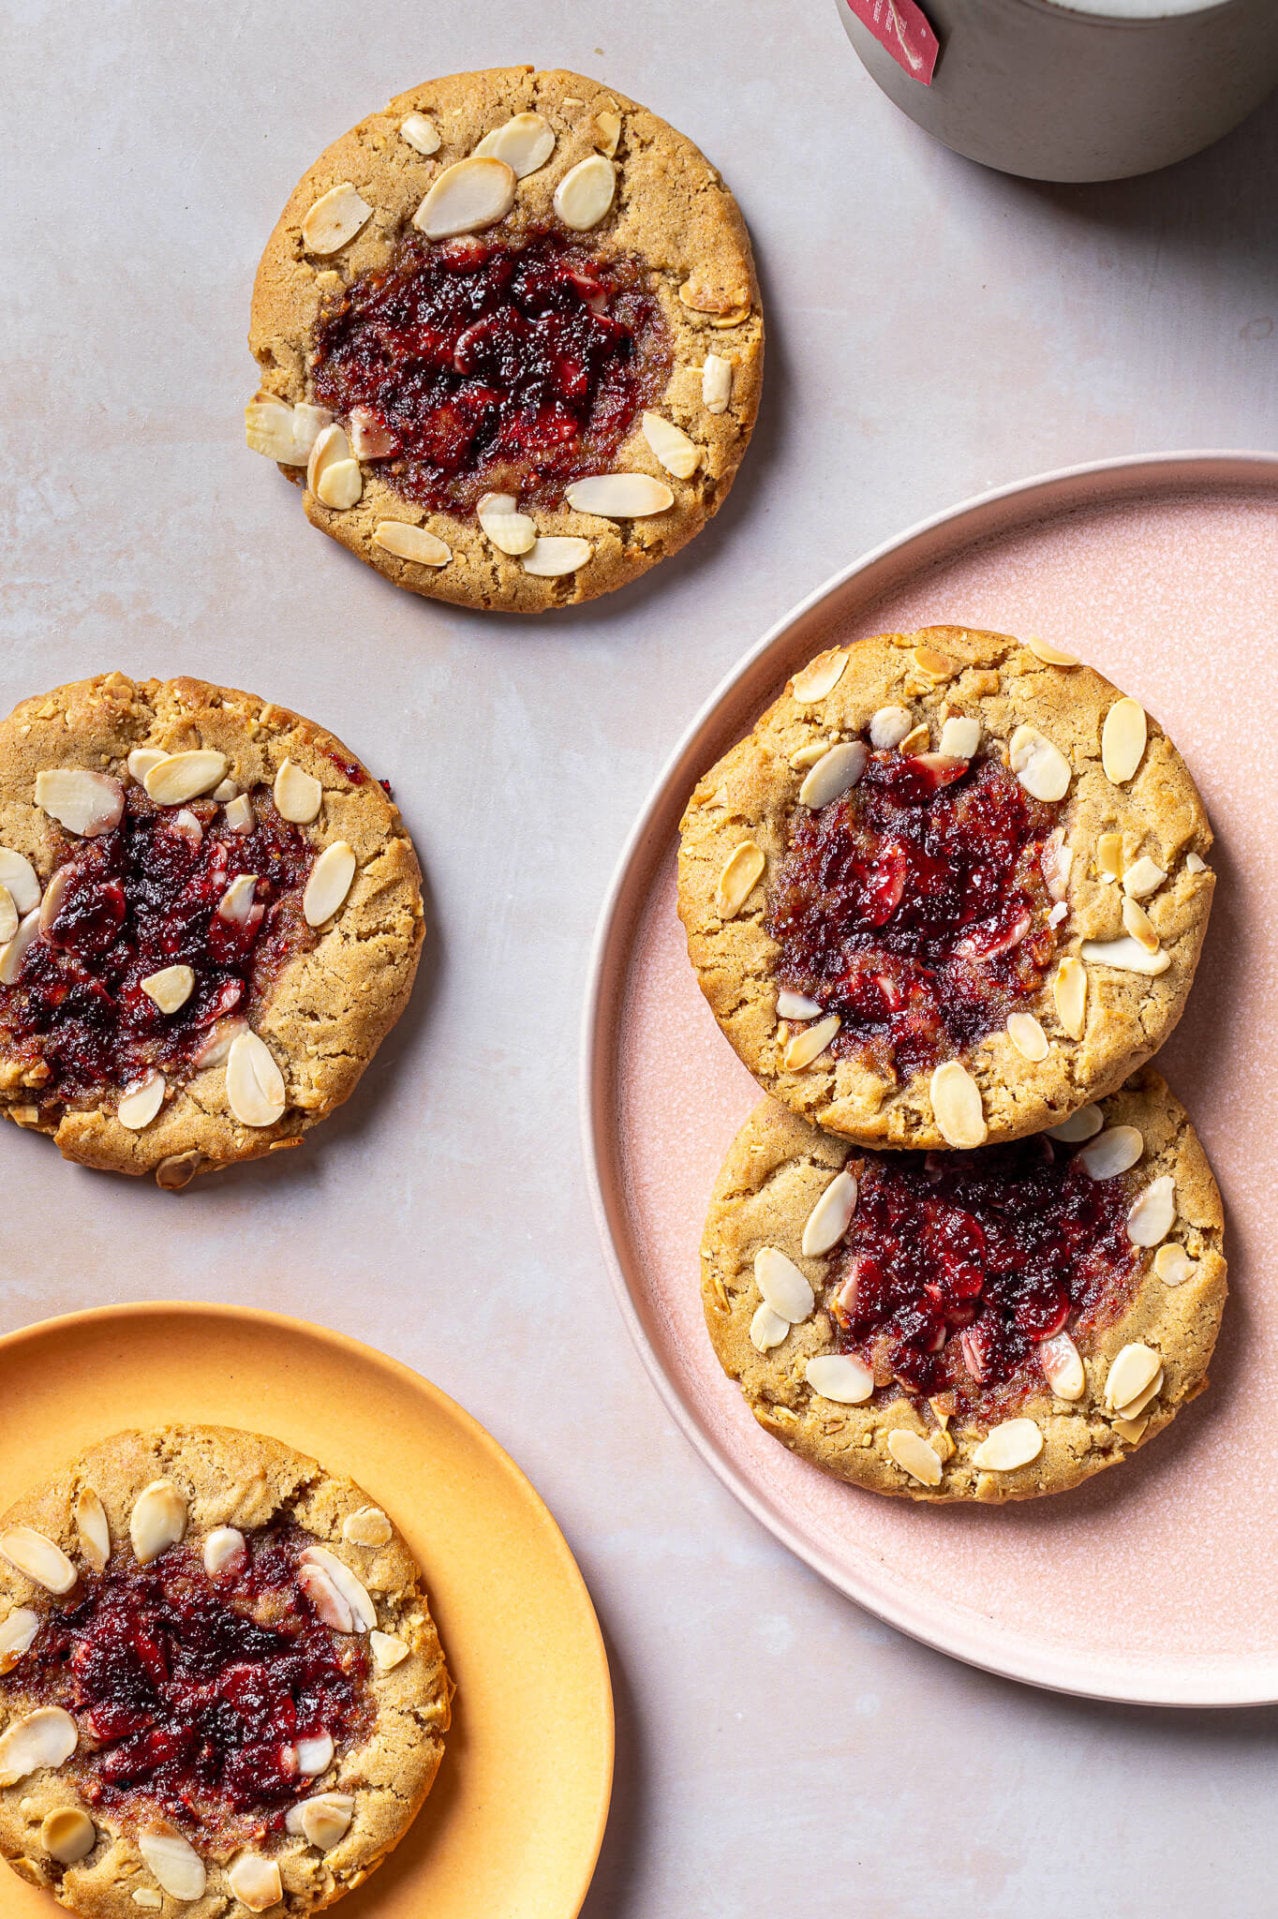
(514, 1824)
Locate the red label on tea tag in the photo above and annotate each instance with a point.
(903, 28)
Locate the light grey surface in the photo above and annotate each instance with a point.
(934, 329)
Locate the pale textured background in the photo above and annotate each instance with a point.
(934, 329)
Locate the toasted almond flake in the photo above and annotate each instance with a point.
(1109, 857)
(370, 439)
(17, 1631)
(1143, 878)
(170, 988)
(1123, 739)
(834, 774)
(19, 876)
(782, 1286)
(158, 1520)
(421, 134)
(916, 740)
(1126, 956)
(1008, 1446)
(467, 197)
(324, 1595)
(323, 1820)
(501, 521)
(818, 678)
(314, 1756)
(416, 544)
(1058, 913)
(796, 1006)
(1114, 1151)
(1027, 1036)
(937, 667)
(239, 814)
(255, 1881)
(348, 1583)
(1063, 1366)
(585, 194)
(298, 795)
(960, 737)
(830, 1217)
(68, 1835)
(767, 1329)
(224, 792)
(331, 448)
(388, 1651)
(840, 1377)
(677, 453)
(180, 777)
(46, 1737)
(1140, 926)
(1195, 863)
(809, 755)
(1069, 990)
(553, 555)
(1049, 654)
(1134, 1368)
(524, 143)
(13, 951)
(721, 309)
(217, 1045)
(1135, 1407)
(270, 428)
(957, 1105)
(10, 918)
(308, 423)
(1084, 1124)
(620, 496)
(889, 726)
(329, 883)
(1171, 1263)
(1130, 1429)
(139, 1103)
(54, 893)
(254, 1084)
(93, 1528)
(175, 1864)
(606, 132)
(809, 1045)
(340, 485)
(1153, 1212)
(147, 1897)
(914, 1456)
(335, 219)
(236, 904)
(33, 1554)
(742, 870)
(716, 383)
(142, 759)
(369, 1526)
(225, 1550)
(1041, 768)
(1057, 862)
(85, 803)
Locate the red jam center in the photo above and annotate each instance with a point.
(916, 906)
(191, 1692)
(956, 1265)
(133, 901)
(492, 368)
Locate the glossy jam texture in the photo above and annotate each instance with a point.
(134, 901)
(916, 907)
(494, 368)
(956, 1265)
(191, 1692)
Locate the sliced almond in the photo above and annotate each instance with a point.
(17, 1630)
(1195, 863)
(68, 1835)
(1135, 1407)
(889, 726)
(13, 952)
(217, 1044)
(314, 1756)
(225, 791)
(808, 755)
(170, 988)
(716, 383)
(960, 737)
(1049, 654)
(720, 308)
(33, 1554)
(914, 1456)
(782, 1286)
(467, 197)
(1114, 1151)
(742, 871)
(1058, 859)
(270, 428)
(340, 485)
(85, 803)
(1140, 926)
(1173, 1264)
(767, 1329)
(1069, 990)
(19, 876)
(255, 1881)
(331, 448)
(180, 777)
(840, 1377)
(1143, 878)
(585, 194)
(834, 774)
(1084, 1124)
(1153, 1213)
(308, 423)
(1008, 1446)
(607, 132)
(158, 1520)
(1130, 1429)
(321, 1821)
(916, 740)
(335, 219)
(348, 1583)
(1126, 956)
(1027, 1036)
(254, 1084)
(91, 1524)
(388, 1651)
(957, 1105)
(818, 678)
(831, 1216)
(1133, 1369)
(553, 555)
(1109, 857)
(239, 814)
(1041, 768)
(620, 496)
(237, 902)
(1063, 1366)
(416, 544)
(524, 143)
(421, 134)
(46, 1737)
(329, 883)
(10, 917)
(677, 453)
(509, 530)
(298, 795)
(328, 1601)
(809, 1045)
(139, 1103)
(174, 1862)
(367, 1527)
(370, 439)
(1123, 738)
(797, 1006)
(935, 666)
(225, 1550)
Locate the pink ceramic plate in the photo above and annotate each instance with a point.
(1154, 1582)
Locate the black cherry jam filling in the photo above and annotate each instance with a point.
(489, 367)
(138, 899)
(957, 1265)
(917, 907)
(192, 1692)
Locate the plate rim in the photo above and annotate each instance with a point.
(346, 1343)
(1062, 489)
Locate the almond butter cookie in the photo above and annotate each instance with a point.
(988, 1325)
(210, 917)
(509, 339)
(220, 1684)
(951, 888)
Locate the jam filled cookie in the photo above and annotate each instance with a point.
(211, 916)
(220, 1684)
(509, 338)
(988, 1325)
(950, 889)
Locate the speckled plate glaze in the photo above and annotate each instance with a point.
(1153, 1582)
(516, 1817)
